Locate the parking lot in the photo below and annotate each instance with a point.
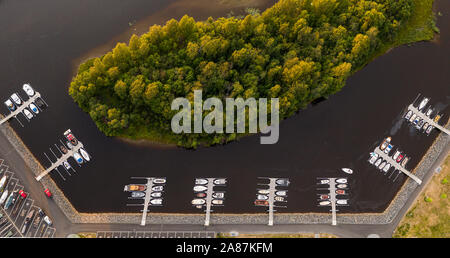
(13, 219)
(155, 234)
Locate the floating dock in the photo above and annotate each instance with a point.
(20, 108)
(397, 166)
(427, 119)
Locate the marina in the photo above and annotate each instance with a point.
(273, 195)
(333, 191)
(204, 187)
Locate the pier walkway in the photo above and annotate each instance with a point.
(427, 119)
(397, 166)
(20, 108)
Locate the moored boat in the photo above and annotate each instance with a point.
(341, 180)
(263, 191)
(156, 201)
(199, 188)
(262, 197)
(198, 201)
(201, 195)
(397, 152)
(378, 162)
(281, 193)
(85, 154)
(340, 191)
(382, 165)
(324, 203)
(63, 149)
(347, 170)
(220, 181)
(279, 198)
(408, 115)
(373, 157)
(217, 202)
(27, 113)
(131, 188)
(405, 160)
(261, 203)
(341, 186)
(282, 182)
(387, 167)
(429, 111)
(218, 195)
(324, 197)
(137, 194)
(423, 103)
(157, 188)
(201, 181)
(436, 118)
(425, 126)
(78, 158)
(3, 197)
(324, 181)
(388, 148)
(399, 158)
(2, 183)
(156, 194)
(341, 202)
(159, 180)
(385, 143)
(412, 118)
(67, 165)
(429, 129)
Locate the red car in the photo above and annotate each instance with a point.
(23, 194)
(48, 193)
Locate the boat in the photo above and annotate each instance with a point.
(388, 148)
(429, 129)
(218, 195)
(382, 165)
(405, 160)
(27, 113)
(324, 203)
(324, 181)
(158, 188)
(199, 188)
(200, 195)
(425, 126)
(341, 186)
(423, 103)
(85, 154)
(408, 115)
(429, 111)
(347, 170)
(69, 145)
(217, 202)
(341, 202)
(201, 181)
(10, 105)
(412, 118)
(281, 193)
(378, 162)
(137, 194)
(416, 121)
(279, 198)
(63, 149)
(2, 183)
(70, 137)
(156, 194)
(33, 108)
(159, 180)
(3, 197)
(16, 99)
(156, 201)
(78, 158)
(340, 191)
(324, 197)
(341, 180)
(282, 182)
(262, 197)
(198, 201)
(40, 103)
(28, 90)
(198, 206)
(385, 143)
(436, 118)
(131, 188)
(220, 181)
(261, 203)
(373, 158)
(263, 191)
(399, 158)
(420, 124)
(386, 168)
(397, 152)
(67, 165)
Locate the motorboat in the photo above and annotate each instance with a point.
(217, 202)
(69, 145)
(373, 157)
(159, 180)
(382, 165)
(341, 186)
(378, 162)
(408, 115)
(341, 202)
(67, 165)
(70, 137)
(324, 181)
(78, 158)
(425, 126)
(218, 195)
(28, 90)
(340, 191)
(282, 182)
(429, 111)
(220, 181)
(397, 152)
(347, 170)
(420, 124)
(279, 198)
(85, 154)
(132, 188)
(386, 168)
(198, 201)
(10, 105)
(341, 180)
(156, 201)
(324, 203)
(324, 197)
(385, 143)
(388, 148)
(412, 118)
(198, 206)
(158, 188)
(262, 197)
(429, 129)
(416, 121)
(201, 181)
(405, 160)
(423, 103)
(2, 183)
(33, 108)
(137, 194)
(63, 149)
(399, 158)
(261, 203)
(436, 118)
(40, 103)
(281, 193)
(16, 99)
(27, 113)
(263, 191)
(156, 194)
(3, 197)
(199, 188)
(200, 195)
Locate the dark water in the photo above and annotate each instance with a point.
(40, 38)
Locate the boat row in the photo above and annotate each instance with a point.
(204, 181)
(200, 202)
(143, 188)
(338, 201)
(80, 156)
(32, 109)
(419, 122)
(341, 183)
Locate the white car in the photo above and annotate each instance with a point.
(34, 108)
(47, 220)
(27, 113)
(28, 90)
(16, 99)
(10, 105)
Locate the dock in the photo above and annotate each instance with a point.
(208, 199)
(20, 108)
(333, 200)
(427, 119)
(60, 160)
(271, 196)
(397, 166)
(147, 200)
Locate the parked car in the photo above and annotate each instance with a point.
(22, 194)
(48, 193)
(47, 220)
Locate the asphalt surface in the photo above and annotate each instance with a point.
(64, 227)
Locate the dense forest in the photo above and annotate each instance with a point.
(297, 51)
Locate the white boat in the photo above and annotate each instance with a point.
(282, 182)
(78, 158)
(33, 108)
(4, 196)
(159, 180)
(423, 103)
(16, 99)
(156, 201)
(385, 143)
(67, 165)
(420, 124)
(263, 191)
(408, 115)
(324, 203)
(218, 195)
(429, 112)
(156, 194)
(412, 118)
(217, 202)
(198, 201)
(429, 129)
(425, 126)
(324, 181)
(199, 188)
(373, 158)
(382, 165)
(341, 180)
(347, 170)
(281, 193)
(28, 90)
(341, 186)
(279, 198)
(201, 181)
(262, 197)
(27, 113)
(69, 145)
(137, 194)
(388, 148)
(341, 202)
(378, 162)
(10, 105)
(85, 154)
(158, 188)
(220, 181)
(2, 183)
(387, 167)
(397, 152)
(416, 121)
